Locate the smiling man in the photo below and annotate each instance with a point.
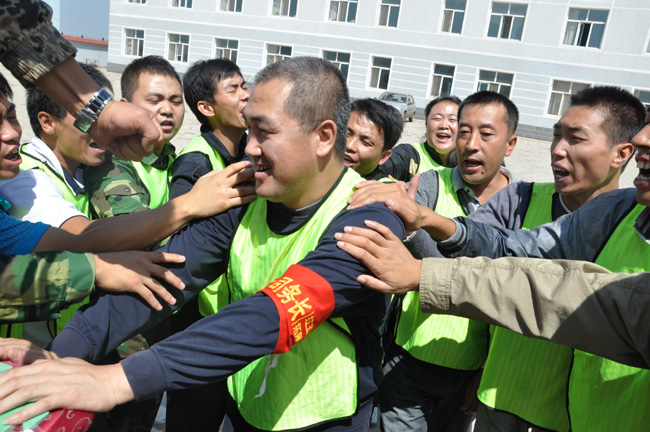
(305, 350)
(373, 130)
(119, 187)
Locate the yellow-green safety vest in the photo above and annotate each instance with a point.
(426, 162)
(523, 376)
(605, 395)
(216, 295)
(156, 181)
(316, 380)
(443, 340)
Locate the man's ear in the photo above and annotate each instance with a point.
(621, 153)
(512, 142)
(326, 132)
(47, 123)
(205, 108)
(384, 156)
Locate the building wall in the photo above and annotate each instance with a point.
(91, 53)
(413, 47)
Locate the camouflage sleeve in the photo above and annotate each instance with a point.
(29, 45)
(36, 287)
(115, 188)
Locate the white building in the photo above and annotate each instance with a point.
(535, 51)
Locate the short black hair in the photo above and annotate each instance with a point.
(388, 119)
(436, 101)
(201, 81)
(623, 113)
(153, 64)
(318, 92)
(5, 88)
(38, 101)
(488, 98)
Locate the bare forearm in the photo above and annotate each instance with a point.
(438, 227)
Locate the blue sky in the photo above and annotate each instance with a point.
(87, 18)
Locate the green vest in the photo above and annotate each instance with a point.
(156, 181)
(316, 380)
(426, 162)
(81, 203)
(523, 376)
(443, 340)
(216, 295)
(605, 395)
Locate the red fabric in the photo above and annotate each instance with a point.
(63, 421)
(304, 300)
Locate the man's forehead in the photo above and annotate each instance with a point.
(146, 80)
(484, 113)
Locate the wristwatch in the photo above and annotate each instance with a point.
(91, 111)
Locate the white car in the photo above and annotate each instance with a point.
(403, 102)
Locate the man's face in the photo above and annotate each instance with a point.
(642, 182)
(230, 99)
(581, 156)
(442, 126)
(365, 146)
(162, 96)
(284, 157)
(73, 146)
(483, 141)
(10, 132)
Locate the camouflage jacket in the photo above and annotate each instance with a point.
(29, 45)
(115, 188)
(36, 287)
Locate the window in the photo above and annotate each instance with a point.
(340, 60)
(138, 1)
(380, 72)
(561, 96)
(443, 78)
(179, 47)
(133, 42)
(499, 82)
(275, 53)
(388, 13)
(230, 5)
(647, 50)
(226, 49)
(182, 3)
(644, 97)
(585, 27)
(507, 20)
(344, 11)
(453, 15)
(284, 8)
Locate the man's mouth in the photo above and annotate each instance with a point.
(259, 166)
(472, 163)
(167, 125)
(644, 170)
(13, 155)
(559, 173)
(348, 161)
(95, 146)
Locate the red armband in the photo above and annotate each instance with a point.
(304, 300)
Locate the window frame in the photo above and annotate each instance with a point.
(388, 14)
(564, 95)
(370, 69)
(289, 8)
(432, 75)
(215, 47)
(337, 63)
(235, 3)
(502, 18)
(185, 6)
(451, 22)
(124, 30)
(579, 28)
(496, 76)
(140, 2)
(169, 42)
(266, 50)
(347, 18)
(637, 94)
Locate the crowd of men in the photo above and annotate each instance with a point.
(268, 236)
